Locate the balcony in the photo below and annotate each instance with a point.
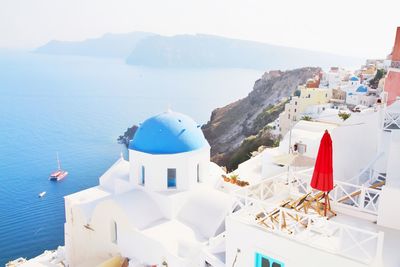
(344, 235)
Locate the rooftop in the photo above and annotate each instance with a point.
(290, 211)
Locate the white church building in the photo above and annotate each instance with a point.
(160, 208)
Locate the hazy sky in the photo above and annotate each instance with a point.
(351, 27)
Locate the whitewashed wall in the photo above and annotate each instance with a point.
(156, 168)
(251, 240)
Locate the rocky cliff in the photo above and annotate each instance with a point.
(240, 127)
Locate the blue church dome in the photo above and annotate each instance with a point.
(354, 79)
(168, 133)
(362, 89)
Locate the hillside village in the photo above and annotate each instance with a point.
(336, 91)
(170, 205)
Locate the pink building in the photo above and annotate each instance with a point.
(392, 82)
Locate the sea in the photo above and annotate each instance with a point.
(77, 107)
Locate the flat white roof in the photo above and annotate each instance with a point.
(87, 195)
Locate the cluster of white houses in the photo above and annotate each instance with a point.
(331, 92)
(168, 205)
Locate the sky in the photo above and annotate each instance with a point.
(361, 28)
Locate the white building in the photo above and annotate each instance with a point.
(282, 231)
(334, 77)
(297, 106)
(159, 208)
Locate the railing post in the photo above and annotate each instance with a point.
(361, 201)
(378, 259)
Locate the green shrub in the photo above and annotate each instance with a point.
(344, 116)
(306, 118)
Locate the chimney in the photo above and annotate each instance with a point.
(396, 48)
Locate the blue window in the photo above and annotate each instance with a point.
(142, 175)
(171, 177)
(265, 261)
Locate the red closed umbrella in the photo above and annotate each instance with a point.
(322, 178)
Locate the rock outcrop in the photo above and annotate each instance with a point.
(128, 135)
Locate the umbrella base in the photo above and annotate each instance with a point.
(327, 207)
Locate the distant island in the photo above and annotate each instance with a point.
(195, 51)
(108, 45)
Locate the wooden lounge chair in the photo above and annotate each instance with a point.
(298, 203)
(321, 204)
(262, 218)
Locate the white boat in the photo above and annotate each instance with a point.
(59, 174)
(42, 194)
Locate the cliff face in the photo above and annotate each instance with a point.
(229, 126)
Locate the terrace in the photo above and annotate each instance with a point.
(287, 206)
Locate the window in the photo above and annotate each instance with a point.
(198, 172)
(265, 261)
(295, 103)
(142, 175)
(171, 177)
(114, 232)
(295, 110)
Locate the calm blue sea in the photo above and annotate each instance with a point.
(78, 106)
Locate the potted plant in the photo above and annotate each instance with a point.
(226, 179)
(234, 178)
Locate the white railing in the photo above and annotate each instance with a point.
(312, 230)
(359, 197)
(262, 190)
(392, 121)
